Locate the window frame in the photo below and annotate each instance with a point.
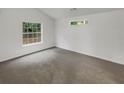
(81, 21)
(41, 33)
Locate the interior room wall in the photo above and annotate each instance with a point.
(102, 37)
(11, 32)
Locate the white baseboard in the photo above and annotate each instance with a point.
(96, 56)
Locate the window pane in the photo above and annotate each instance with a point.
(73, 23)
(39, 30)
(30, 35)
(24, 30)
(39, 37)
(34, 29)
(31, 32)
(35, 35)
(24, 38)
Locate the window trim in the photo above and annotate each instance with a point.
(36, 43)
(85, 22)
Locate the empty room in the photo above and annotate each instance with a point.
(61, 46)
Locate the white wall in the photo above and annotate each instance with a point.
(11, 32)
(102, 37)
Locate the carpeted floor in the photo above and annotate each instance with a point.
(58, 66)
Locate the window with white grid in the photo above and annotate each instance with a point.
(31, 33)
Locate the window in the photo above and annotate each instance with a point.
(76, 23)
(31, 33)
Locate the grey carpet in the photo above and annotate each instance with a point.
(58, 66)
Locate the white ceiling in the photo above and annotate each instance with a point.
(57, 13)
